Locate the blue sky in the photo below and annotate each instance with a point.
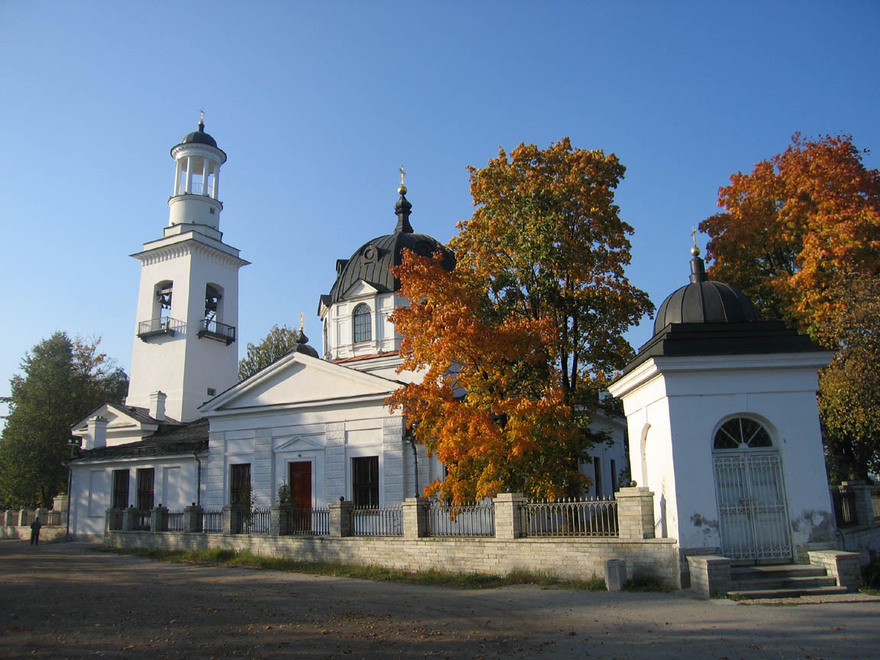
(317, 104)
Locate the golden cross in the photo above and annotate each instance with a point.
(302, 321)
(402, 176)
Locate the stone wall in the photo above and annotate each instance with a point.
(564, 558)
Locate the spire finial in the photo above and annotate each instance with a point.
(302, 322)
(698, 268)
(695, 250)
(202, 120)
(402, 189)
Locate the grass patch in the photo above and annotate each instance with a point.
(433, 578)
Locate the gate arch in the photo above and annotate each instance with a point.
(750, 492)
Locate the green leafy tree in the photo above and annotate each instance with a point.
(62, 381)
(517, 340)
(849, 393)
(278, 343)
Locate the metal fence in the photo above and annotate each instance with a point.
(141, 521)
(461, 520)
(368, 521)
(570, 518)
(114, 519)
(306, 522)
(212, 522)
(175, 521)
(254, 521)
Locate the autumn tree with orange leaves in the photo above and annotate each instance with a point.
(518, 339)
(800, 235)
(796, 225)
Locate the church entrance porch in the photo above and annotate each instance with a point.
(751, 495)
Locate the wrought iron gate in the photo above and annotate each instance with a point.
(751, 506)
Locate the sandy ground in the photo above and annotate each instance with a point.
(64, 600)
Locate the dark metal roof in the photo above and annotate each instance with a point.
(169, 440)
(703, 301)
(373, 260)
(748, 338)
(199, 137)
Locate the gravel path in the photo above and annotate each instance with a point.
(64, 600)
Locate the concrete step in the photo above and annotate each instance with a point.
(781, 581)
(784, 593)
(806, 582)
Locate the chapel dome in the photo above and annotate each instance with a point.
(704, 301)
(372, 262)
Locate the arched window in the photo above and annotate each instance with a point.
(362, 326)
(742, 433)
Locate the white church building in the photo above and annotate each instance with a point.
(720, 407)
(189, 432)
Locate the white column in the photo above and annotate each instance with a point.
(189, 175)
(216, 192)
(205, 169)
(176, 177)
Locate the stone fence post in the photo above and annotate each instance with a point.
(230, 522)
(159, 519)
(508, 515)
(192, 518)
(863, 508)
(279, 518)
(340, 518)
(128, 519)
(635, 513)
(415, 517)
(22, 518)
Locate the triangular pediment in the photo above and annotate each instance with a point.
(124, 423)
(359, 289)
(298, 443)
(298, 380)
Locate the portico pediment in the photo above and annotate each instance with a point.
(298, 380)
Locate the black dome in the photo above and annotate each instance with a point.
(373, 260)
(199, 137)
(704, 301)
(302, 345)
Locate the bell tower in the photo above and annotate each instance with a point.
(187, 311)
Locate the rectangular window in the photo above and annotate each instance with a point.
(145, 481)
(597, 478)
(120, 489)
(240, 485)
(365, 481)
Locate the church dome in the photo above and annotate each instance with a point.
(373, 260)
(704, 301)
(200, 137)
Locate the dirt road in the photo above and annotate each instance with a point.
(64, 600)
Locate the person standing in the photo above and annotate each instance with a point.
(35, 531)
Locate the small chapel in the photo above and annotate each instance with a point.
(721, 425)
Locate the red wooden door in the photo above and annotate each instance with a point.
(300, 478)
